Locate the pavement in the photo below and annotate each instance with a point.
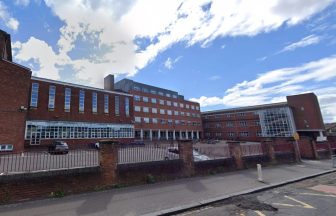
(170, 197)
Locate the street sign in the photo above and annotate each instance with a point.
(296, 136)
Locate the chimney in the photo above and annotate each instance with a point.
(109, 82)
(5, 46)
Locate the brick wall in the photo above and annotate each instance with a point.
(14, 88)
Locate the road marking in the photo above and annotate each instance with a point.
(314, 194)
(303, 205)
(259, 213)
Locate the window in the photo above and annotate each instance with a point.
(229, 124)
(163, 121)
(6, 147)
(117, 105)
(162, 111)
(154, 110)
(145, 109)
(136, 88)
(187, 106)
(67, 99)
(170, 121)
(244, 134)
(145, 99)
(154, 120)
(106, 104)
(175, 96)
(145, 90)
(192, 107)
(152, 91)
(161, 93)
(177, 122)
(161, 102)
(81, 100)
(231, 134)
(176, 113)
(259, 134)
(153, 100)
(137, 108)
(146, 120)
(52, 93)
(241, 114)
(181, 105)
(182, 113)
(218, 125)
(169, 103)
(127, 110)
(34, 95)
(175, 104)
(168, 95)
(136, 97)
(257, 123)
(197, 107)
(169, 112)
(94, 102)
(243, 123)
(188, 114)
(137, 119)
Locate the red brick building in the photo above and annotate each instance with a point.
(161, 113)
(301, 113)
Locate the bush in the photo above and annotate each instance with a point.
(150, 179)
(57, 194)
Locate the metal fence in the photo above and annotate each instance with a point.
(146, 153)
(251, 149)
(210, 152)
(44, 161)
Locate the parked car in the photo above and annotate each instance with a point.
(173, 153)
(58, 147)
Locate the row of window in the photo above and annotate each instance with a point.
(234, 134)
(163, 112)
(163, 102)
(64, 130)
(67, 100)
(227, 115)
(165, 121)
(232, 124)
(152, 91)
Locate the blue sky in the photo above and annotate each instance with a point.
(220, 53)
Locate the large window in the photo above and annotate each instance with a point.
(34, 95)
(52, 94)
(81, 100)
(137, 119)
(127, 110)
(137, 108)
(145, 109)
(117, 105)
(77, 130)
(106, 103)
(154, 110)
(94, 102)
(136, 98)
(145, 99)
(153, 100)
(67, 99)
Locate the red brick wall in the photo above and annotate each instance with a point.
(58, 114)
(14, 88)
(306, 111)
(306, 148)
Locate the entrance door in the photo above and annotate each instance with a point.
(35, 138)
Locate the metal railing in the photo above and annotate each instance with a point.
(251, 149)
(47, 161)
(146, 153)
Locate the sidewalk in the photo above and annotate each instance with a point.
(168, 196)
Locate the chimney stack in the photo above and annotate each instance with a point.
(109, 82)
(5, 46)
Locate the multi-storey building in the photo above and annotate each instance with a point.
(301, 113)
(162, 114)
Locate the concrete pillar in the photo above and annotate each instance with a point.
(150, 135)
(159, 134)
(166, 134)
(236, 154)
(186, 156)
(141, 134)
(180, 134)
(197, 134)
(108, 159)
(187, 134)
(174, 138)
(192, 135)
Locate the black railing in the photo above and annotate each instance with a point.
(47, 161)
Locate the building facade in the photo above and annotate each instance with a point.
(301, 113)
(162, 114)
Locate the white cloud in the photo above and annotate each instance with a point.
(306, 41)
(274, 85)
(169, 63)
(6, 17)
(215, 77)
(117, 24)
(22, 2)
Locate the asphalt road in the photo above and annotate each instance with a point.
(315, 196)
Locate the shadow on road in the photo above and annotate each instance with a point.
(94, 204)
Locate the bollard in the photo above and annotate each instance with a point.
(260, 177)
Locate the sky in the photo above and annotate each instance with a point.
(220, 53)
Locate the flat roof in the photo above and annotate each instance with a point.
(79, 86)
(247, 108)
